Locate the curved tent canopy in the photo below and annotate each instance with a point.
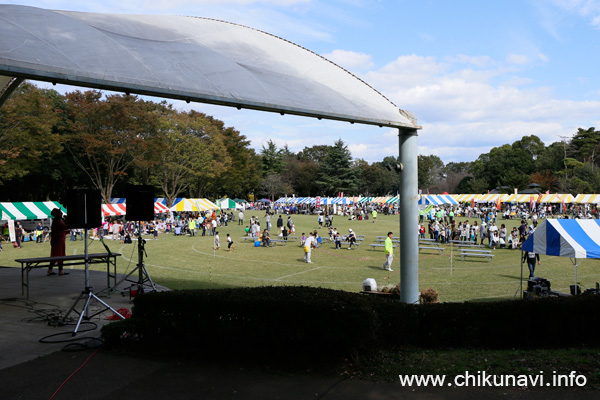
(187, 58)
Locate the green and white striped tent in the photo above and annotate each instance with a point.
(29, 210)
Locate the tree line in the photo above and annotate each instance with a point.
(50, 142)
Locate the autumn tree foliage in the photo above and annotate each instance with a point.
(107, 135)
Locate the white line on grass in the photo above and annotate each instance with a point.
(297, 273)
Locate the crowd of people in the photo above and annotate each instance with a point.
(480, 225)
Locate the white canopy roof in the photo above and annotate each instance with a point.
(193, 59)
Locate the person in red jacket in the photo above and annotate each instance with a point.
(58, 234)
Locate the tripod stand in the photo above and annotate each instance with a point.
(88, 295)
(144, 282)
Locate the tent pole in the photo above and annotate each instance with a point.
(521, 274)
(575, 264)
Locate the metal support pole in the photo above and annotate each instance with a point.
(409, 217)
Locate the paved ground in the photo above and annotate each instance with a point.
(33, 370)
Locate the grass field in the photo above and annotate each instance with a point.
(190, 262)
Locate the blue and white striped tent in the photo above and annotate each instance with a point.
(437, 199)
(341, 200)
(573, 238)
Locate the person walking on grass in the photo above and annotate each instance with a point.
(308, 245)
(230, 245)
(530, 258)
(389, 252)
(217, 241)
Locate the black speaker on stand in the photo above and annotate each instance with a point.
(140, 207)
(84, 209)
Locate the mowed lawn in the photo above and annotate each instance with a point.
(186, 262)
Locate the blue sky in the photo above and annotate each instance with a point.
(477, 74)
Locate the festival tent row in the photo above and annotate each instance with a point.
(313, 200)
(439, 199)
(555, 198)
(29, 210)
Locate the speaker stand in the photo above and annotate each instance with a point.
(88, 295)
(144, 282)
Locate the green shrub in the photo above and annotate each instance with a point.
(309, 322)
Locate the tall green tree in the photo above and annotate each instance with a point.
(27, 133)
(336, 173)
(244, 173)
(430, 170)
(585, 146)
(272, 159)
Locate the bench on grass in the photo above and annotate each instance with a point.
(439, 249)
(470, 246)
(278, 241)
(375, 245)
(476, 253)
(383, 240)
(357, 243)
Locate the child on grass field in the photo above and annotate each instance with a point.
(230, 245)
(217, 242)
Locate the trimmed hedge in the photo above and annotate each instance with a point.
(312, 321)
(290, 320)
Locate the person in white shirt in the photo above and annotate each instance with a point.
(217, 241)
(308, 245)
(493, 235)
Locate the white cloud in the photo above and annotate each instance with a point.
(350, 60)
(521, 59)
(478, 61)
(588, 9)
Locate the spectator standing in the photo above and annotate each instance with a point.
(530, 258)
(279, 225)
(389, 252)
(58, 234)
(39, 233)
(308, 245)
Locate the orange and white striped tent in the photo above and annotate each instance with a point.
(557, 198)
(465, 198)
(587, 198)
(520, 198)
